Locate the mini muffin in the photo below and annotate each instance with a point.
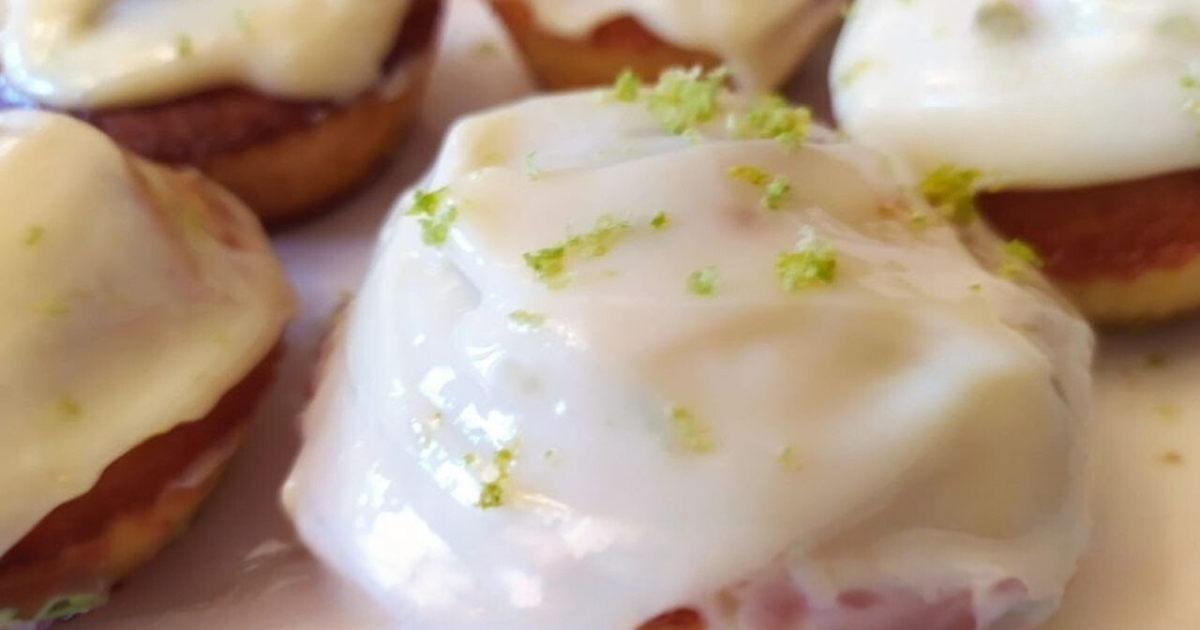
(140, 312)
(606, 377)
(579, 43)
(289, 105)
(1076, 121)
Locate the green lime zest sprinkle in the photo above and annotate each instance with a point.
(492, 493)
(1179, 26)
(1003, 19)
(436, 214)
(776, 190)
(750, 174)
(9, 615)
(789, 459)
(693, 435)
(854, 72)
(1019, 256)
(183, 45)
(1167, 411)
(550, 263)
(528, 319)
(811, 263)
(1190, 83)
(704, 281)
(242, 19)
(484, 49)
(608, 231)
(772, 118)
(55, 307)
(628, 87)
(33, 235)
(952, 191)
(682, 100)
(1157, 360)
(531, 169)
(775, 187)
(69, 606)
(68, 407)
(975, 287)
(660, 220)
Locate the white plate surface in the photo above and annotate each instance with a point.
(240, 568)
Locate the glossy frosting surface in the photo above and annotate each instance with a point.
(1036, 93)
(761, 40)
(913, 429)
(124, 309)
(100, 53)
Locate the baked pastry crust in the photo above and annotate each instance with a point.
(84, 539)
(141, 502)
(562, 63)
(1125, 252)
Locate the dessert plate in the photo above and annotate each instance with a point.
(241, 568)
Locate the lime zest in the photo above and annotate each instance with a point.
(951, 191)
(1003, 20)
(549, 264)
(772, 118)
(692, 434)
(775, 188)
(811, 263)
(704, 281)
(1019, 257)
(527, 319)
(33, 235)
(436, 215)
(184, 47)
(530, 167)
(627, 88)
(494, 491)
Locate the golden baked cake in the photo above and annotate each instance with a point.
(289, 105)
(141, 312)
(584, 43)
(1075, 122)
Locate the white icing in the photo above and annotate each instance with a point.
(97, 53)
(761, 40)
(121, 316)
(935, 410)
(1091, 92)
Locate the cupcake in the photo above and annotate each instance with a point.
(578, 43)
(140, 312)
(1075, 121)
(288, 104)
(605, 376)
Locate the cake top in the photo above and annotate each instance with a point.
(103, 53)
(1034, 93)
(761, 40)
(622, 350)
(132, 299)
